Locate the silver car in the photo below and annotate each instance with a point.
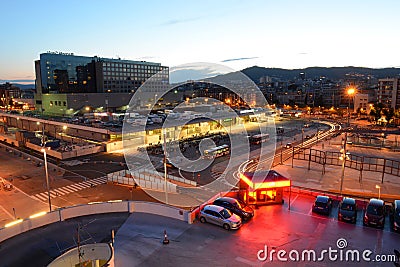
(220, 216)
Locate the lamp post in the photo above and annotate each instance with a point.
(165, 165)
(47, 176)
(281, 150)
(350, 92)
(343, 158)
(65, 127)
(379, 191)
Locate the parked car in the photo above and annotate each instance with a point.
(322, 204)
(288, 145)
(374, 214)
(235, 206)
(395, 215)
(347, 210)
(220, 216)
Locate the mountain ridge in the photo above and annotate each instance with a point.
(334, 73)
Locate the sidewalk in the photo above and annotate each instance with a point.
(330, 181)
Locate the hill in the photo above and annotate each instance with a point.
(334, 73)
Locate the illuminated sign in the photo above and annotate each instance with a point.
(265, 184)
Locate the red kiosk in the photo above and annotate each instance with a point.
(262, 187)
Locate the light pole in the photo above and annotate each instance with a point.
(281, 150)
(379, 191)
(165, 165)
(47, 176)
(65, 127)
(343, 157)
(350, 92)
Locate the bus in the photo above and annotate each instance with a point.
(216, 152)
(259, 138)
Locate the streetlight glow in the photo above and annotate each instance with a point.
(351, 91)
(379, 191)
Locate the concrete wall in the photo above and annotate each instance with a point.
(79, 151)
(94, 208)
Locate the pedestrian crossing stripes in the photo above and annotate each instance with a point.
(65, 190)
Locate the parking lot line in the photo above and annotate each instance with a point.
(310, 212)
(248, 262)
(6, 212)
(292, 202)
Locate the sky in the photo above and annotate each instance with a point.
(236, 34)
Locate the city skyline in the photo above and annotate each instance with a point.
(287, 34)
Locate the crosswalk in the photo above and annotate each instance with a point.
(65, 190)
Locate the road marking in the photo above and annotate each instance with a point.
(248, 262)
(292, 202)
(65, 190)
(310, 212)
(6, 212)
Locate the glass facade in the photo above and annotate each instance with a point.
(67, 73)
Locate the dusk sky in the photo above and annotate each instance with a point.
(238, 34)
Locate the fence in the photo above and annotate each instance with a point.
(149, 179)
(352, 161)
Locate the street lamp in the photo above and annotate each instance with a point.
(379, 191)
(47, 176)
(65, 127)
(343, 157)
(350, 92)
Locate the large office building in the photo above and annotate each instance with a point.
(65, 82)
(388, 92)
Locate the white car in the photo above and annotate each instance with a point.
(220, 216)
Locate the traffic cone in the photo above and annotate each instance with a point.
(166, 240)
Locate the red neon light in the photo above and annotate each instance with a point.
(265, 185)
(246, 180)
(272, 184)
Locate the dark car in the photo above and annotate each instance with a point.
(322, 205)
(395, 216)
(235, 206)
(374, 214)
(347, 210)
(288, 145)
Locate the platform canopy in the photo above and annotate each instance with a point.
(264, 179)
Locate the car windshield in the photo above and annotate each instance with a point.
(238, 204)
(320, 204)
(347, 207)
(225, 214)
(375, 210)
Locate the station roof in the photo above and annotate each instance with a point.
(264, 179)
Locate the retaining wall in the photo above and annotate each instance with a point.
(91, 209)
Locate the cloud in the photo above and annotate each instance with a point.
(237, 59)
(17, 81)
(179, 21)
(196, 71)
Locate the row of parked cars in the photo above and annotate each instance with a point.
(374, 213)
(226, 212)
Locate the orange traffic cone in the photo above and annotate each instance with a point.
(166, 240)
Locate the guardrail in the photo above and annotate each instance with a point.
(354, 161)
(114, 206)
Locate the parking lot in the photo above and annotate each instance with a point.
(302, 204)
(274, 228)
